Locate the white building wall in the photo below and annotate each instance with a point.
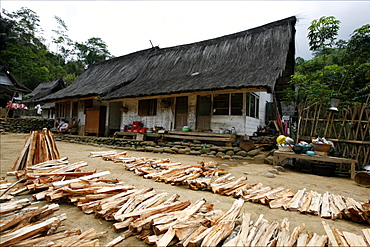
(164, 117)
(251, 124)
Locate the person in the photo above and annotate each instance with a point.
(11, 107)
(64, 127)
(74, 124)
(39, 109)
(61, 123)
(57, 122)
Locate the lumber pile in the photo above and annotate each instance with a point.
(21, 225)
(208, 176)
(39, 147)
(156, 218)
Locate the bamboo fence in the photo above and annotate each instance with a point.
(348, 129)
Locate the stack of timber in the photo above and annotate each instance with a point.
(208, 176)
(39, 147)
(152, 217)
(23, 225)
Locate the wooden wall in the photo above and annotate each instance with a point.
(348, 128)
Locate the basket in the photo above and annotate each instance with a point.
(321, 147)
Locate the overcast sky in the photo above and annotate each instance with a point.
(129, 26)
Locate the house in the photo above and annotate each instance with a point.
(42, 90)
(223, 82)
(10, 89)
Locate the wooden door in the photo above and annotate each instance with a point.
(95, 120)
(204, 112)
(181, 112)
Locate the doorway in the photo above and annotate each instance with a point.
(204, 104)
(181, 112)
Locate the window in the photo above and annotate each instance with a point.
(221, 104)
(60, 110)
(252, 107)
(228, 104)
(147, 107)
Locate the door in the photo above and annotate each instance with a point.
(181, 112)
(204, 112)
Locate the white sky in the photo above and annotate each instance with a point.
(127, 26)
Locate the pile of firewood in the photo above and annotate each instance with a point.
(39, 147)
(156, 218)
(208, 176)
(21, 225)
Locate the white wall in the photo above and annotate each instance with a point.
(164, 117)
(251, 124)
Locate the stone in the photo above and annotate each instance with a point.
(230, 153)
(194, 152)
(259, 157)
(238, 157)
(242, 153)
(279, 168)
(158, 150)
(269, 160)
(149, 149)
(270, 175)
(220, 154)
(254, 152)
(274, 171)
(206, 150)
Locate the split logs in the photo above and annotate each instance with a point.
(39, 147)
(207, 176)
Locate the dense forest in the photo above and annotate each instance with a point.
(24, 52)
(338, 67)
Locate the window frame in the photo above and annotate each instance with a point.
(230, 102)
(147, 107)
(252, 105)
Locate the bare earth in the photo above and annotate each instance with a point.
(12, 144)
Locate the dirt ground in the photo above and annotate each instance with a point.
(12, 144)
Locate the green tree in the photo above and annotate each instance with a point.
(342, 70)
(358, 48)
(94, 50)
(62, 40)
(322, 33)
(24, 52)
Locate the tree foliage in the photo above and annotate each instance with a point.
(24, 52)
(339, 69)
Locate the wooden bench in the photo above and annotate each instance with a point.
(280, 156)
(133, 135)
(201, 136)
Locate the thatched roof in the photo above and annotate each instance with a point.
(255, 58)
(14, 86)
(44, 89)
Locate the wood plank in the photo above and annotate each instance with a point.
(27, 231)
(366, 233)
(66, 182)
(354, 240)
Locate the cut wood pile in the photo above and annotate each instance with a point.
(156, 218)
(208, 176)
(22, 224)
(39, 147)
